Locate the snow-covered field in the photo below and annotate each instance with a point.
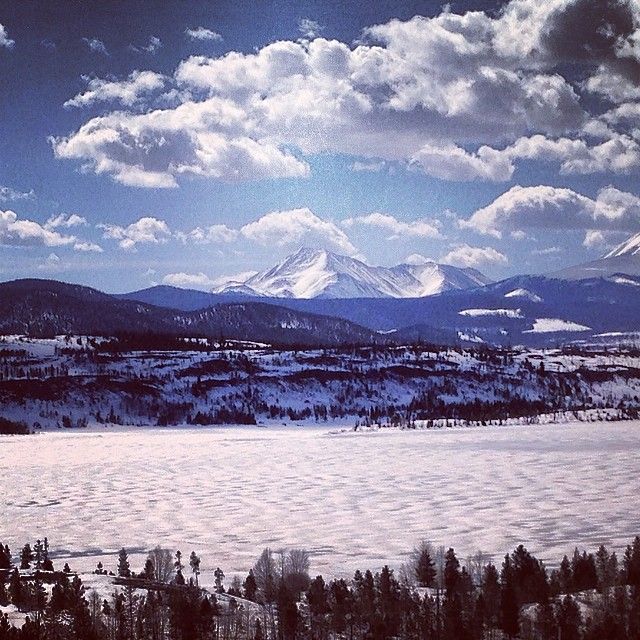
(354, 500)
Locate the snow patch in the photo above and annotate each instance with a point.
(502, 313)
(551, 325)
(524, 294)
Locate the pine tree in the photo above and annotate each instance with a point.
(569, 619)
(124, 569)
(219, 579)
(26, 556)
(509, 609)
(425, 569)
(250, 587)
(194, 562)
(16, 591)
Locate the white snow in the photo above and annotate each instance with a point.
(629, 247)
(310, 273)
(353, 501)
(524, 294)
(623, 280)
(504, 313)
(550, 325)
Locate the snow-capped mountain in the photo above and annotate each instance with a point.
(316, 273)
(623, 260)
(630, 247)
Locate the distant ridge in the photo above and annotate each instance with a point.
(47, 308)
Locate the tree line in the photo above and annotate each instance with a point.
(435, 596)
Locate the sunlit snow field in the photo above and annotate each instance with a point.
(354, 500)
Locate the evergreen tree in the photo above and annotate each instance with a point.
(569, 619)
(194, 563)
(218, 574)
(250, 587)
(26, 556)
(509, 610)
(287, 614)
(124, 569)
(16, 591)
(425, 569)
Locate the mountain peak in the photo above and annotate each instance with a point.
(630, 247)
(313, 273)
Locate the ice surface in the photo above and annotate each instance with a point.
(353, 500)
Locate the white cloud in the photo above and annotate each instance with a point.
(298, 227)
(417, 259)
(202, 33)
(87, 247)
(127, 92)
(214, 234)
(199, 138)
(146, 230)
(96, 46)
(397, 228)
(309, 28)
(451, 162)
(202, 281)
(370, 166)
(189, 280)
(593, 239)
(547, 251)
(18, 232)
(153, 45)
(5, 40)
(556, 208)
(8, 194)
(618, 153)
(65, 220)
(464, 255)
(418, 91)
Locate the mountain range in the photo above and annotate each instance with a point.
(48, 308)
(526, 309)
(316, 273)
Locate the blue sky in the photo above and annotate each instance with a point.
(182, 142)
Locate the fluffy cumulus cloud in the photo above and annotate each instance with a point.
(556, 208)
(396, 228)
(463, 255)
(202, 33)
(15, 231)
(207, 138)
(127, 92)
(5, 40)
(459, 96)
(298, 227)
(146, 230)
(619, 153)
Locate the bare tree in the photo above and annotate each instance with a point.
(296, 570)
(265, 572)
(162, 560)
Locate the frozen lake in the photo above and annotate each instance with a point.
(353, 500)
